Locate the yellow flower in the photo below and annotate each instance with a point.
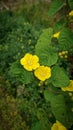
(58, 126)
(56, 35)
(30, 62)
(68, 88)
(43, 73)
(71, 13)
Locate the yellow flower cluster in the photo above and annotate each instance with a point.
(63, 54)
(56, 35)
(31, 62)
(58, 126)
(71, 13)
(68, 88)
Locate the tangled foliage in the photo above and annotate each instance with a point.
(10, 117)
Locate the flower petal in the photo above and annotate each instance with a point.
(56, 35)
(58, 126)
(71, 13)
(68, 88)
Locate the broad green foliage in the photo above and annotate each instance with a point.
(69, 105)
(59, 25)
(59, 109)
(66, 39)
(59, 77)
(49, 95)
(70, 2)
(58, 106)
(47, 54)
(45, 37)
(38, 126)
(56, 5)
(41, 126)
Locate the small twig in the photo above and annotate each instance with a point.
(5, 6)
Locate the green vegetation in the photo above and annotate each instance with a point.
(28, 102)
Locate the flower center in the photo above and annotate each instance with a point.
(43, 74)
(30, 63)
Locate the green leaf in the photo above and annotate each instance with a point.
(47, 55)
(18, 72)
(37, 126)
(66, 39)
(59, 109)
(70, 2)
(59, 77)
(69, 104)
(49, 95)
(45, 37)
(56, 5)
(40, 126)
(59, 25)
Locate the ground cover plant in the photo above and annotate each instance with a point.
(40, 72)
